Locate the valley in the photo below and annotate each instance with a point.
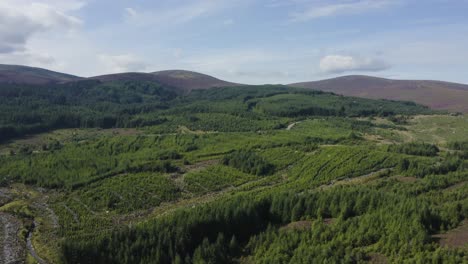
(130, 171)
(118, 198)
(233, 132)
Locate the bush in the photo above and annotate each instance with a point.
(419, 149)
(248, 162)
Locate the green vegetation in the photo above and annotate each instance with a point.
(214, 178)
(439, 128)
(33, 109)
(458, 145)
(264, 174)
(420, 149)
(248, 162)
(85, 104)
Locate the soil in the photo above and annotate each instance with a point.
(376, 258)
(12, 249)
(455, 238)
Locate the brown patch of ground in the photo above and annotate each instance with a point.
(298, 225)
(456, 186)
(201, 165)
(378, 139)
(357, 180)
(377, 258)
(305, 224)
(455, 238)
(11, 247)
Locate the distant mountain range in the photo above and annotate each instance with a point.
(31, 75)
(182, 81)
(435, 94)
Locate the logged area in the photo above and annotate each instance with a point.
(134, 172)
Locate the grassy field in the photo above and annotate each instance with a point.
(439, 129)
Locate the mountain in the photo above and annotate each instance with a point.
(30, 75)
(435, 94)
(127, 76)
(188, 80)
(133, 172)
(183, 81)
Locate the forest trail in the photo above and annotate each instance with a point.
(12, 251)
(168, 208)
(44, 207)
(74, 215)
(354, 180)
(290, 126)
(30, 246)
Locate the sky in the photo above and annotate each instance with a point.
(244, 41)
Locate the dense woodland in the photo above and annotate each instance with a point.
(87, 104)
(256, 174)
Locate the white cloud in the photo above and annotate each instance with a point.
(122, 63)
(177, 14)
(130, 12)
(177, 53)
(340, 8)
(20, 20)
(228, 60)
(263, 75)
(250, 66)
(228, 22)
(340, 64)
(28, 58)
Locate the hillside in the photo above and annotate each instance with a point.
(182, 81)
(127, 169)
(137, 102)
(16, 74)
(435, 94)
(188, 80)
(132, 173)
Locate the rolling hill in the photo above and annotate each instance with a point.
(30, 75)
(182, 81)
(435, 94)
(188, 80)
(123, 169)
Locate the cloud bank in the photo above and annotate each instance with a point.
(339, 8)
(20, 20)
(341, 64)
(122, 63)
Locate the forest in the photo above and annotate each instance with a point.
(131, 172)
(131, 104)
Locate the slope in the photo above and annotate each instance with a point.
(182, 81)
(32, 76)
(435, 94)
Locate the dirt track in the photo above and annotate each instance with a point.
(31, 249)
(12, 249)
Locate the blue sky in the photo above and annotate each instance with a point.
(248, 41)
